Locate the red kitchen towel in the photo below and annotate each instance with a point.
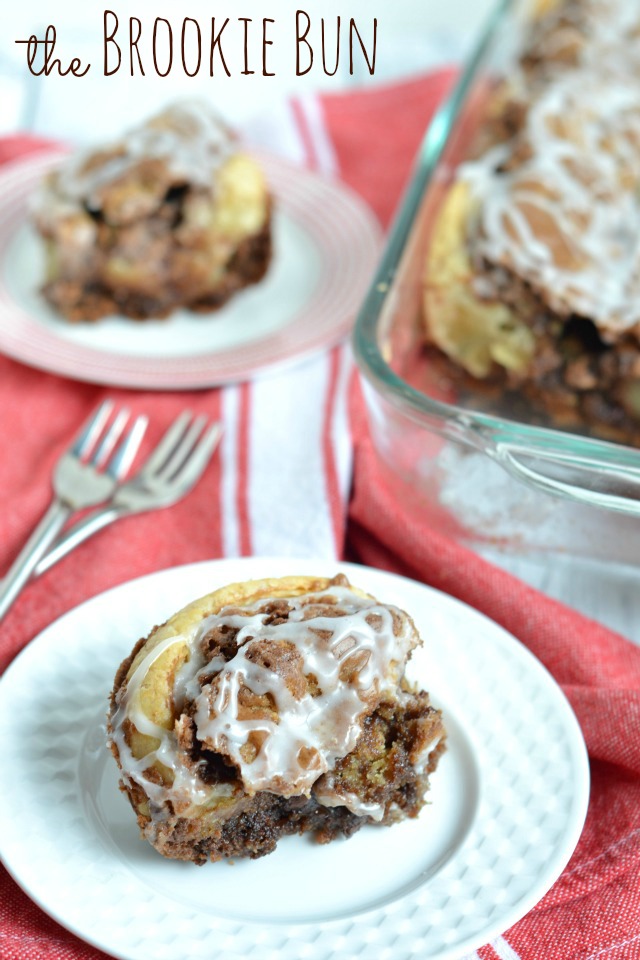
(368, 139)
(593, 910)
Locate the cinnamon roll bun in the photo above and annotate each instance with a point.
(268, 708)
(174, 214)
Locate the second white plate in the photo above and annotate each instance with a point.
(506, 809)
(326, 242)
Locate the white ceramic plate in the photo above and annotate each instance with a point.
(326, 243)
(508, 800)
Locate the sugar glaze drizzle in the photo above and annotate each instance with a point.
(353, 658)
(189, 138)
(565, 214)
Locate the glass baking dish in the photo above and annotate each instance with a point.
(484, 478)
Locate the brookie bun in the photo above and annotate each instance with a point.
(272, 707)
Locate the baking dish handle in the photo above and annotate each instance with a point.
(602, 481)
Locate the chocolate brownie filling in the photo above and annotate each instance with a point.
(378, 771)
(82, 301)
(575, 380)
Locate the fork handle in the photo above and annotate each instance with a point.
(77, 534)
(35, 547)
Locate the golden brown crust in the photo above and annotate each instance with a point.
(474, 333)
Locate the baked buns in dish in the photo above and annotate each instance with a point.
(173, 215)
(268, 708)
(532, 280)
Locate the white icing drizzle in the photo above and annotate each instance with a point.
(329, 797)
(323, 727)
(421, 762)
(187, 789)
(354, 658)
(189, 138)
(565, 216)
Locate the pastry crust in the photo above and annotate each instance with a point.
(263, 709)
(476, 334)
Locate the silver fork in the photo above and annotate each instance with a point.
(171, 471)
(85, 475)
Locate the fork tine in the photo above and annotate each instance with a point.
(168, 443)
(119, 464)
(184, 448)
(92, 429)
(99, 456)
(194, 465)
